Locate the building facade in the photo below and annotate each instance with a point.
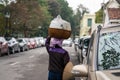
(87, 22)
(112, 12)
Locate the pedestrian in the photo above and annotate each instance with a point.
(58, 58)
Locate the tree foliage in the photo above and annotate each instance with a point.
(2, 24)
(27, 15)
(65, 11)
(54, 8)
(99, 16)
(110, 59)
(80, 11)
(60, 7)
(3, 8)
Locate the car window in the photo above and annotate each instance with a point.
(109, 51)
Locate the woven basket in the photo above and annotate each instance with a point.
(59, 33)
(67, 75)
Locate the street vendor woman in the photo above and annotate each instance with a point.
(58, 58)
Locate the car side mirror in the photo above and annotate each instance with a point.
(80, 70)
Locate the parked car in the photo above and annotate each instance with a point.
(82, 47)
(86, 41)
(76, 44)
(103, 58)
(3, 46)
(42, 41)
(13, 44)
(39, 44)
(28, 43)
(23, 44)
(67, 42)
(33, 43)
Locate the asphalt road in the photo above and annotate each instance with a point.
(29, 65)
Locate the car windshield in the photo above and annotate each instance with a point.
(109, 51)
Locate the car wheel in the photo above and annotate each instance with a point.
(23, 49)
(8, 52)
(27, 48)
(0, 53)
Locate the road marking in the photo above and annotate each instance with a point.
(15, 63)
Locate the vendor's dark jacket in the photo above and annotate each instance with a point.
(58, 57)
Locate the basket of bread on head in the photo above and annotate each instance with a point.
(59, 28)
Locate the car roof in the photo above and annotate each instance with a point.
(111, 28)
(107, 28)
(110, 25)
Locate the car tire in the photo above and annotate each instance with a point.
(8, 52)
(23, 49)
(0, 53)
(27, 49)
